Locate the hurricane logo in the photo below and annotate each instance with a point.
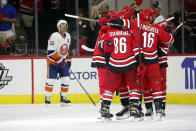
(4, 79)
(64, 49)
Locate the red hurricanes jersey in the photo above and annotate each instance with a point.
(98, 59)
(125, 48)
(150, 36)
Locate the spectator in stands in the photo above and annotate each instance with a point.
(9, 17)
(84, 32)
(21, 46)
(159, 17)
(97, 14)
(188, 44)
(26, 12)
(8, 48)
(14, 46)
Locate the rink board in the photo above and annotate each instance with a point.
(23, 81)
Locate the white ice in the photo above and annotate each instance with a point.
(83, 117)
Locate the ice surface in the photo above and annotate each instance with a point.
(83, 117)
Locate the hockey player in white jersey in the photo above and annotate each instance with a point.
(58, 62)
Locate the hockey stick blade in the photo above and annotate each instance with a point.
(87, 48)
(180, 25)
(79, 17)
(169, 19)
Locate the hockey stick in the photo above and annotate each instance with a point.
(180, 25)
(87, 48)
(140, 58)
(109, 24)
(83, 88)
(166, 20)
(79, 17)
(139, 44)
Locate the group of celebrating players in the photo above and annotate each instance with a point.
(131, 57)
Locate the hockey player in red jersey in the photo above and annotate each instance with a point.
(121, 66)
(150, 35)
(162, 58)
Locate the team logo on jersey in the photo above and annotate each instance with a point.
(4, 79)
(189, 64)
(64, 49)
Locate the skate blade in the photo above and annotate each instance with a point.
(148, 118)
(132, 118)
(65, 104)
(47, 105)
(158, 117)
(122, 117)
(106, 120)
(99, 117)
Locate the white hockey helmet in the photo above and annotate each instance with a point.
(61, 22)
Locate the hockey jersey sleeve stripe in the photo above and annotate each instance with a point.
(165, 50)
(170, 41)
(50, 60)
(98, 59)
(126, 23)
(163, 57)
(53, 55)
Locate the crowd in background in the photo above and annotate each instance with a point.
(17, 27)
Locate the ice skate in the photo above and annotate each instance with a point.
(149, 114)
(163, 113)
(64, 101)
(105, 113)
(100, 117)
(123, 114)
(135, 113)
(47, 100)
(158, 110)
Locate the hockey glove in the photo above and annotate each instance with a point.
(68, 63)
(169, 29)
(106, 46)
(61, 63)
(141, 71)
(116, 23)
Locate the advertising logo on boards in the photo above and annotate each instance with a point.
(4, 79)
(189, 65)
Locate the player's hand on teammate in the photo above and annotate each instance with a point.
(141, 70)
(106, 46)
(104, 20)
(169, 29)
(116, 23)
(104, 28)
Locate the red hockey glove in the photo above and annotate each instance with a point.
(106, 46)
(141, 71)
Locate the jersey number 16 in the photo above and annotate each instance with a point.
(148, 39)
